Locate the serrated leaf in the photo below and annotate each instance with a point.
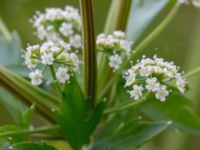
(143, 12)
(176, 108)
(32, 146)
(76, 116)
(130, 134)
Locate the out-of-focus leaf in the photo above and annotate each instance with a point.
(10, 54)
(177, 108)
(14, 107)
(121, 133)
(12, 139)
(32, 146)
(76, 116)
(143, 12)
(27, 117)
(27, 92)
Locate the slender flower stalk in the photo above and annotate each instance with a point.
(55, 79)
(29, 131)
(142, 45)
(89, 42)
(192, 73)
(127, 105)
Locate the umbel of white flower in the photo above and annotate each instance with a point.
(60, 56)
(59, 25)
(115, 46)
(196, 3)
(153, 76)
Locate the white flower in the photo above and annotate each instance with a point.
(32, 48)
(115, 61)
(126, 46)
(46, 47)
(145, 70)
(196, 3)
(183, 1)
(154, 75)
(119, 34)
(136, 93)
(162, 93)
(76, 41)
(55, 23)
(180, 82)
(73, 60)
(152, 84)
(66, 29)
(62, 74)
(130, 78)
(47, 59)
(36, 77)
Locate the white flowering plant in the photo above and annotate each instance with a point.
(94, 92)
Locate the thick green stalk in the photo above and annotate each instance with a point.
(141, 46)
(89, 42)
(28, 131)
(28, 93)
(117, 16)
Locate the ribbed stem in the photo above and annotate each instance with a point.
(142, 45)
(89, 42)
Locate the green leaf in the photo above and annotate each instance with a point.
(28, 93)
(12, 50)
(32, 146)
(25, 121)
(76, 116)
(177, 108)
(12, 104)
(121, 133)
(143, 12)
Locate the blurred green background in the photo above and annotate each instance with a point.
(180, 42)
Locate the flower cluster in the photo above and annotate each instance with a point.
(115, 45)
(196, 3)
(153, 75)
(59, 25)
(59, 56)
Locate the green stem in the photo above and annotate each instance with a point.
(5, 31)
(127, 105)
(89, 42)
(141, 46)
(192, 73)
(53, 73)
(26, 131)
